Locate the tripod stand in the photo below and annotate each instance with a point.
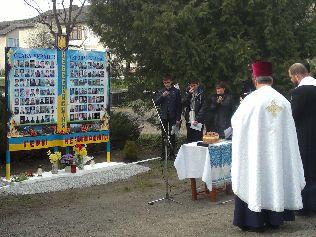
(167, 146)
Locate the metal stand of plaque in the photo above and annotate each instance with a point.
(167, 147)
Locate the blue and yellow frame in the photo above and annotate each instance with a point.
(63, 135)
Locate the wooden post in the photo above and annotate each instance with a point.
(7, 165)
(193, 188)
(213, 195)
(108, 151)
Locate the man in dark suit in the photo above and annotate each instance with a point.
(220, 108)
(168, 101)
(303, 99)
(194, 110)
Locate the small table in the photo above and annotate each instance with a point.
(211, 163)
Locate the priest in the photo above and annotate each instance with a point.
(267, 171)
(303, 99)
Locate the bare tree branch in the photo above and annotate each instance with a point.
(68, 25)
(41, 17)
(33, 4)
(59, 29)
(65, 12)
(58, 18)
(73, 22)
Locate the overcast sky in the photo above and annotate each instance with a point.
(17, 9)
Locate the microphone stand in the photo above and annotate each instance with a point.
(167, 146)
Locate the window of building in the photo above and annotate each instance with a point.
(12, 42)
(76, 33)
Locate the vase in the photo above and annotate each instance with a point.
(68, 169)
(73, 168)
(79, 162)
(54, 168)
(80, 166)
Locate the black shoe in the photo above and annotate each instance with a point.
(252, 229)
(303, 212)
(274, 227)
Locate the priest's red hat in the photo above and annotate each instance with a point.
(261, 68)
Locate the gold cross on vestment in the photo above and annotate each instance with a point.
(273, 108)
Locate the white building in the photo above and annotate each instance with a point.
(17, 34)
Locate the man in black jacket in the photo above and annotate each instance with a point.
(168, 100)
(303, 99)
(221, 108)
(194, 111)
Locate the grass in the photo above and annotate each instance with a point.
(151, 179)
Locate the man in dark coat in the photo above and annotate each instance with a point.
(194, 110)
(303, 99)
(168, 100)
(220, 110)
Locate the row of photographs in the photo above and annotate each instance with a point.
(86, 108)
(34, 82)
(29, 119)
(33, 110)
(25, 73)
(86, 99)
(32, 63)
(86, 73)
(86, 65)
(35, 101)
(28, 92)
(84, 116)
(87, 82)
(85, 91)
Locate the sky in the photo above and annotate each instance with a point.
(17, 9)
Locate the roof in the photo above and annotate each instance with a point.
(8, 26)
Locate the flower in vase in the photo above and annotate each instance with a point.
(80, 155)
(67, 159)
(54, 157)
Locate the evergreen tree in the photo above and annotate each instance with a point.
(209, 40)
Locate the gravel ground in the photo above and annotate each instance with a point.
(101, 173)
(121, 208)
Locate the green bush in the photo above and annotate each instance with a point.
(123, 128)
(130, 151)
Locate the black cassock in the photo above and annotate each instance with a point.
(303, 101)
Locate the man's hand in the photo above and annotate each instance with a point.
(195, 122)
(165, 93)
(191, 90)
(178, 123)
(220, 99)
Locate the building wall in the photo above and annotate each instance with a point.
(3, 43)
(2, 53)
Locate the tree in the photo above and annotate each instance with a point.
(58, 19)
(209, 40)
(41, 38)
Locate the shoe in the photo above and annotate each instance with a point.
(252, 229)
(272, 226)
(303, 212)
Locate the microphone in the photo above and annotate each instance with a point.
(145, 92)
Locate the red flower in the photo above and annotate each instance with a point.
(79, 146)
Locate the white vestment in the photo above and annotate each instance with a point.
(267, 171)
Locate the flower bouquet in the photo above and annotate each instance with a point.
(54, 158)
(80, 155)
(67, 160)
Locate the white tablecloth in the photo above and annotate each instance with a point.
(194, 161)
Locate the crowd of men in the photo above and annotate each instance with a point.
(273, 151)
